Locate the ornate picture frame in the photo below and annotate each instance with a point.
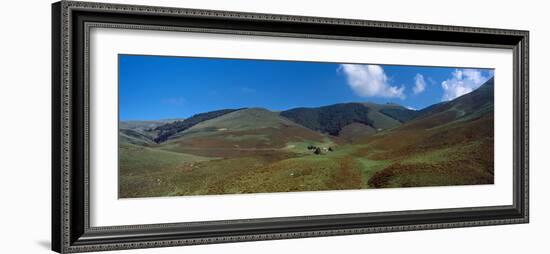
(71, 24)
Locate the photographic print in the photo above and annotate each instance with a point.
(200, 126)
(175, 126)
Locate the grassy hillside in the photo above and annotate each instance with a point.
(448, 143)
(332, 119)
(141, 132)
(389, 115)
(356, 131)
(135, 137)
(241, 120)
(145, 171)
(240, 133)
(166, 131)
(459, 152)
(477, 102)
(145, 125)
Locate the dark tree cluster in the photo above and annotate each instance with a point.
(167, 130)
(330, 119)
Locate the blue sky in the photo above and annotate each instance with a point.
(157, 87)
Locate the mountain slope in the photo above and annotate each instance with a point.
(145, 125)
(333, 118)
(329, 119)
(389, 115)
(355, 131)
(448, 143)
(242, 131)
(472, 105)
(245, 119)
(135, 137)
(140, 132)
(167, 130)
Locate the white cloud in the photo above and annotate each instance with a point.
(462, 82)
(410, 108)
(370, 81)
(419, 84)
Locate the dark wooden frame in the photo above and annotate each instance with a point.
(71, 22)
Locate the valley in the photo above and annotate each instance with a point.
(334, 147)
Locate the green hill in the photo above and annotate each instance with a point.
(466, 107)
(333, 118)
(129, 136)
(145, 125)
(166, 131)
(141, 132)
(355, 131)
(242, 132)
(240, 120)
(449, 143)
(330, 120)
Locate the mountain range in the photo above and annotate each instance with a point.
(337, 120)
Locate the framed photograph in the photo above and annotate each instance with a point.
(181, 126)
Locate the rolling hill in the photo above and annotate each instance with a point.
(135, 137)
(469, 106)
(333, 118)
(448, 143)
(348, 120)
(167, 130)
(241, 131)
(141, 132)
(146, 125)
(240, 120)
